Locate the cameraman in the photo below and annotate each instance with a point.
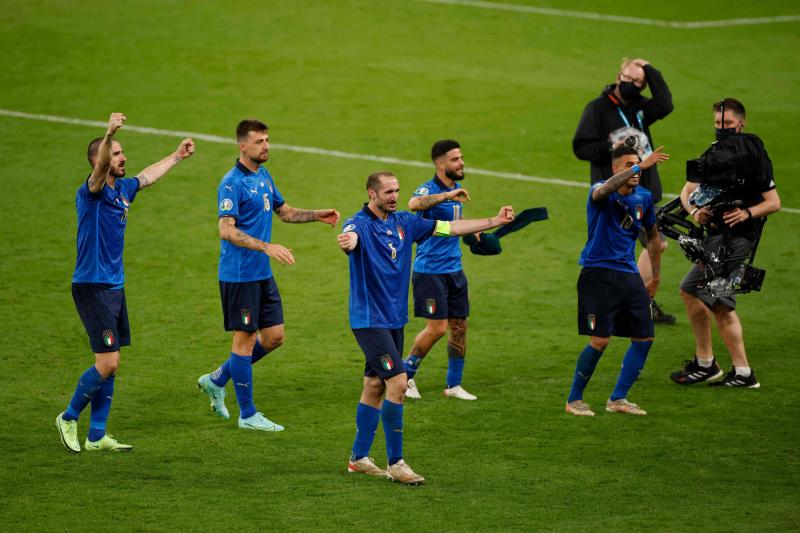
(738, 165)
(621, 115)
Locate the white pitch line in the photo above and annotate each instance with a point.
(309, 150)
(617, 18)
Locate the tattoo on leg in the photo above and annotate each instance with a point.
(457, 343)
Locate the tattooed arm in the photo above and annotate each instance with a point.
(654, 251)
(295, 215)
(618, 180)
(421, 203)
(229, 232)
(99, 175)
(156, 171)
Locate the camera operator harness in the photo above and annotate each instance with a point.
(721, 173)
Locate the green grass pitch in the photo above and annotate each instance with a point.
(384, 78)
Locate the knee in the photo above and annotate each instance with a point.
(663, 245)
(396, 387)
(108, 364)
(374, 388)
(599, 343)
(274, 341)
(437, 328)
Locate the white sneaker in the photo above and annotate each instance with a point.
(402, 473)
(412, 391)
(459, 392)
(259, 422)
(365, 465)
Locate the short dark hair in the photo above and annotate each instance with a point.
(730, 104)
(622, 151)
(248, 125)
(374, 180)
(442, 147)
(92, 149)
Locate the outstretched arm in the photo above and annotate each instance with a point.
(156, 171)
(421, 203)
(100, 171)
(618, 180)
(295, 215)
(229, 232)
(465, 227)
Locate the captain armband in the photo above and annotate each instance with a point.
(442, 228)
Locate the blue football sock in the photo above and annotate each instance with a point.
(87, 387)
(411, 365)
(367, 418)
(258, 352)
(222, 375)
(101, 405)
(242, 376)
(632, 365)
(392, 416)
(584, 369)
(455, 371)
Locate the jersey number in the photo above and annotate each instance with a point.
(266, 202)
(457, 212)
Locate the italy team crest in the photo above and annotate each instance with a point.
(639, 211)
(246, 317)
(591, 321)
(401, 233)
(386, 362)
(108, 338)
(430, 305)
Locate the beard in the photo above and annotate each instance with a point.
(453, 175)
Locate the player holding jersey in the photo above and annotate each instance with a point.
(440, 286)
(251, 303)
(98, 290)
(378, 240)
(612, 298)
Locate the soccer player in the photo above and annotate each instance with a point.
(378, 240)
(440, 286)
(251, 303)
(612, 298)
(102, 202)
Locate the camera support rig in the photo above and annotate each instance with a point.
(672, 222)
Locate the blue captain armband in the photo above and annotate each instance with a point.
(442, 228)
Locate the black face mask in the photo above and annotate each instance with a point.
(724, 133)
(628, 90)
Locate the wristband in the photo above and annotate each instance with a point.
(749, 213)
(695, 210)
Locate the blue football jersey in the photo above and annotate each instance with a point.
(443, 255)
(250, 198)
(380, 266)
(102, 219)
(614, 224)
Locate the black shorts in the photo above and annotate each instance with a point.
(383, 349)
(611, 302)
(439, 296)
(250, 305)
(104, 314)
(696, 279)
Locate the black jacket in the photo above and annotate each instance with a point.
(601, 117)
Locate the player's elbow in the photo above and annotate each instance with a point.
(413, 204)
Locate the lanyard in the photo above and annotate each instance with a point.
(647, 149)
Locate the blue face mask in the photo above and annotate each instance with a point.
(724, 133)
